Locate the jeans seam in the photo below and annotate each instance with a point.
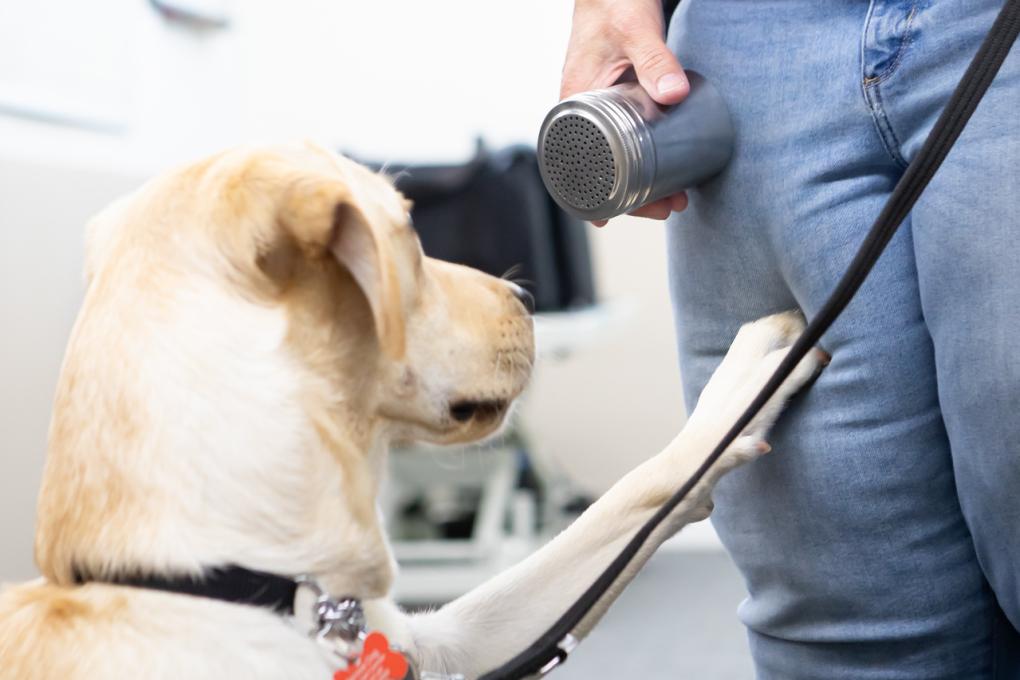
(891, 143)
(870, 85)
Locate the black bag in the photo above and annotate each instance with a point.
(493, 213)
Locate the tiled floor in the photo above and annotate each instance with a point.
(676, 621)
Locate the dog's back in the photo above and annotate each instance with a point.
(44, 628)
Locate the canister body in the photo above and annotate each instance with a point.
(607, 152)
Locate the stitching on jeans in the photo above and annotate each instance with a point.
(890, 141)
(871, 91)
(864, 44)
(905, 42)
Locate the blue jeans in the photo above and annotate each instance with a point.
(881, 537)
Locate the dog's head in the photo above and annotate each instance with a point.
(439, 350)
(258, 324)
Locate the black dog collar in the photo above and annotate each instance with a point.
(232, 584)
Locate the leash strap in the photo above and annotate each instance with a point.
(552, 647)
(228, 584)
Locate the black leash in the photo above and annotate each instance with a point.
(553, 645)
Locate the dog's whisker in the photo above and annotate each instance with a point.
(394, 177)
(511, 271)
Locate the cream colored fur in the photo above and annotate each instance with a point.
(257, 328)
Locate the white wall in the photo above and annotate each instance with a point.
(398, 81)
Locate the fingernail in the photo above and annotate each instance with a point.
(670, 83)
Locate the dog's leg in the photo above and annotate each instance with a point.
(488, 625)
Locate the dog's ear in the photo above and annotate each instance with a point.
(324, 218)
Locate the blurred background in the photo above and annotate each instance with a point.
(96, 97)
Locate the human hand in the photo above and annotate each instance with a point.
(606, 38)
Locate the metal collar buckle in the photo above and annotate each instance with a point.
(335, 619)
(339, 625)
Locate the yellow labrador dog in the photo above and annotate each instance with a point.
(257, 328)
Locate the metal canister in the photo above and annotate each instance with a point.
(606, 152)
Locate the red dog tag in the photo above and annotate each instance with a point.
(377, 662)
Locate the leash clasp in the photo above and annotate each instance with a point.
(566, 646)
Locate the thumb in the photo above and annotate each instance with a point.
(659, 72)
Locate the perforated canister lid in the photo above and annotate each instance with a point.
(593, 156)
(578, 162)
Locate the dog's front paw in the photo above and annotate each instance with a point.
(753, 357)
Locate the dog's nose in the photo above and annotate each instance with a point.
(526, 298)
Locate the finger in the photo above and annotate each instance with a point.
(658, 71)
(678, 202)
(577, 73)
(659, 210)
(581, 74)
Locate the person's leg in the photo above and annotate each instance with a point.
(966, 230)
(850, 536)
